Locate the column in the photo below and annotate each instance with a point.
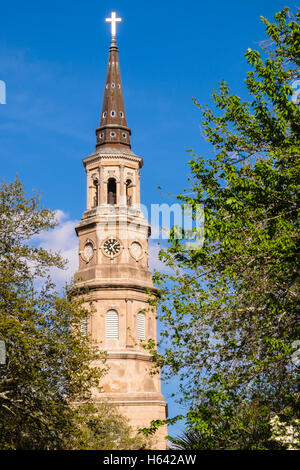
(123, 201)
(134, 190)
(129, 324)
(89, 190)
(101, 186)
(138, 188)
(105, 192)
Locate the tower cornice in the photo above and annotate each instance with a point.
(112, 154)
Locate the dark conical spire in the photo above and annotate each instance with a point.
(113, 130)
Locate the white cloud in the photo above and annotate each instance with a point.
(61, 239)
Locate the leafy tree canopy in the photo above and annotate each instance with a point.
(230, 307)
(46, 382)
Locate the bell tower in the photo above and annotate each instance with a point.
(113, 261)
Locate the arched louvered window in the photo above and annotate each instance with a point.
(141, 325)
(112, 324)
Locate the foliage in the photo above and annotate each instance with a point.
(286, 434)
(230, 307)
(188, 440)
(101, 427)
(48, 367)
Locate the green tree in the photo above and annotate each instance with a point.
(230, 307)
(188, 440)
(102, 427)
(45, 385)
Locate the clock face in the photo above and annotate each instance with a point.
(112, 247)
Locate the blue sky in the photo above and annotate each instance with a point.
(53, 59)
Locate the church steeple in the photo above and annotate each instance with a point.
(113, 130)
(113, 265)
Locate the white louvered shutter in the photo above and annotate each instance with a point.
(112, 324)
(83, 327)
(141, 325)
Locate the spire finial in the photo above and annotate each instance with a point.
(113, 20)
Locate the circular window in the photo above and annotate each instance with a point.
(136, 250)
(121, 114)
(112, 113)
(113, 134)
(119, 86)
(107, 86)
(113, 85)
(124, 135)
(88, 251)
(104, 114)
(101, 135)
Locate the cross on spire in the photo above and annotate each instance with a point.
(113, 20)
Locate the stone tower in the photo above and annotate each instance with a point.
(113, 262)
